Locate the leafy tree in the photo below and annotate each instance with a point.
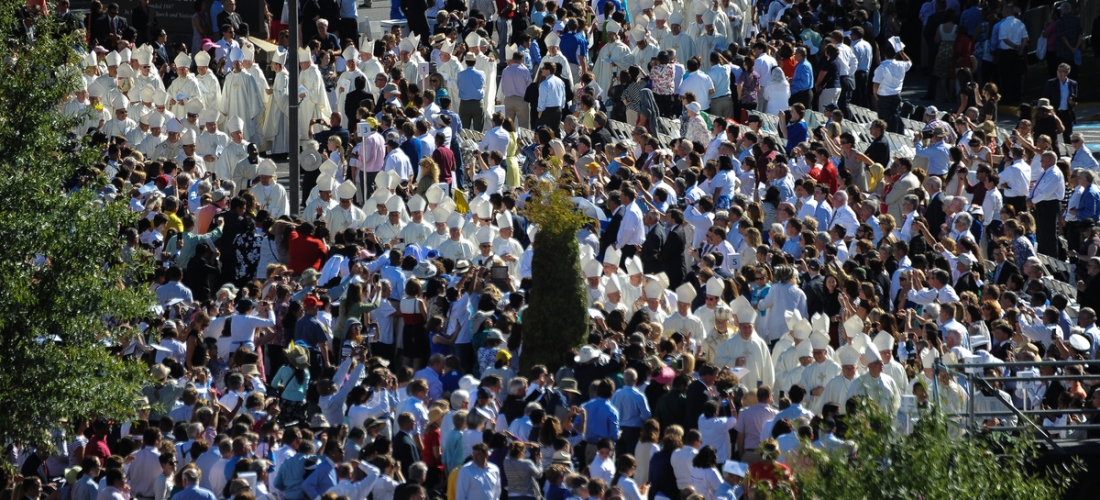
(557, 318)
(61, 256)
(934, 462)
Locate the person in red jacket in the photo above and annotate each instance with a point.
(307, 250)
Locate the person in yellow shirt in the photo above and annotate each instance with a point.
(170, 206)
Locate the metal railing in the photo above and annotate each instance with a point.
(976, 383)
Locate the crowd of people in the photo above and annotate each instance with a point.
(747, 283)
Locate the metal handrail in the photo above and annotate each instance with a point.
(1024, 364)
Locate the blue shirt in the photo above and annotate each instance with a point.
(471, 84)
(291, 476)
(939, 157)
(85, 488)
(1089, 203)
(792, 247)
(803, 77)
(632, 405)
(195, 493)
(536, 57)
(174, 290)
(971, 19)
(551, 93)
(310, 331)
(796, 132)
(603, 420)
(322, 479)
(230, 465)
(573, 44)
(823, 214)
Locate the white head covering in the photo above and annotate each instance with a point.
(654, 290)
(435, 194)
(884, 341)
(188, 138)
(612, 256)
(208, 115)
(744, 310)
(676, 18)
(612, 286)
(113, 59)
(818, 340)
(633, 266)
(613, 27)
(193, 106)
(848, 355)
(121, 102)
(249, 53)
(156, 120)
(715, 287)
(708, 17)
(266, 167)
(700, 8)
(504, 221)
(304, 55)
(279, 58)
(803, 349)
(234, 124)
(346, 190)
(174, 126)
(870, 355)
(484, 234)
(685, 293)
(592, 269)
(236, 55)
(326, 182)
(454, 221)
(202, 58)
(144, 57)
(394, 204)
(441, 214)
(183, 60)
(417, 203)
(552, 40)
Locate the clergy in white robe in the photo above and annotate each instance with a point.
(836, 390)
(488, 65)
(683, 321)
(448, 67)
(147, 76)
(678, 40)
(372, 67)
(250, 67)
(508, 248)
(244, 173)
(233, 152)
(241, 96)
(884, 343)
(155, 136)
(276, 129)
(121, 123)
(592, 270)
(77, 107)
(172, 146)
(138, 134)
(805, 358)
(326, 200)
(211, 88)
(417, 230)
(184, 88)
(818, 374)
(875, 384)
(747, 350)
(658, 26)
(345, 215)
(719, 332)
(554, 55)
(211, 143)
(645, 48)
(440, 214)
(346, 82)
(457, 247)
(614, 57)
(313, 100)
(709, 40)
(270, 195)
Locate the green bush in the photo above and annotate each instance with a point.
(557, 318)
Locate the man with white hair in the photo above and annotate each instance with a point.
(311, 93)
(1082, 156)
(747, 349)
(210, 142)
(184, 87)
(880, 389)
(1045, 201)
(843, 215)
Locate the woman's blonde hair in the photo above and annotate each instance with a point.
(430, 170)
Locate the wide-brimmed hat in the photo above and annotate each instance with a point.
(568, 385)
(589, 353)
(425, 270)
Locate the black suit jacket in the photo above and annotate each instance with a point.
(934, 214)
(651, 249)
(611, 232)
(697, 396)
(671, 257)
(966, 283)
(1008, 268)
(813, 288)
(404, 450)
(102, 29)
(1052, 90)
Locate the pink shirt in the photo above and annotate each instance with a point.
(372, 153)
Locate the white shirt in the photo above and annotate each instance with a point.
(1082, 158)
(890, 76)
(930, 295)
(602, 468)
(846, 61)
(844, 216)
(496, 139)
(631, 230)
(143, 472)
(1011, 30)
(862, 51)
(494, 176)
(1050, 186)
(1017, 177)
(991, 206)
(681, 465)
(701, 84)
(476, 483)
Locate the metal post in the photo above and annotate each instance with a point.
(292, 129)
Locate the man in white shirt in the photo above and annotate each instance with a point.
(844, 215)
(697, 83)
(864, 53)
(937, 289)
(1011, 43)
(631, 229)
(1045, 202)
(396, 159)
(1015, 180)
(888, 81)
(142, 473)
(478, 479)
(1082, 156)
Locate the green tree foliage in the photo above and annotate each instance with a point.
(60, 258)
(934, 462)
(557, 318)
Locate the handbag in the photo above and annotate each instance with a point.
(1041, 48)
